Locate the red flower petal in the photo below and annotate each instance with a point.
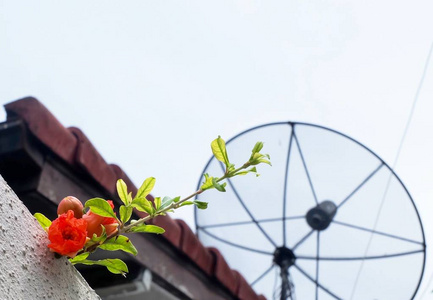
(67, 234)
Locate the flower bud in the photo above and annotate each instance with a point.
(95, 223)
(70, 203)
(111, 228)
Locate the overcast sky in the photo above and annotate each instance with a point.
(152, 83)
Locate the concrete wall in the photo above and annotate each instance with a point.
(28, 270)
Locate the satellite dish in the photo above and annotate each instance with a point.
(329, 219)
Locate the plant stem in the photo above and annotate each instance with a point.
(175, 205)
(171, 206)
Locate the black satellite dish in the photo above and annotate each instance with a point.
(329, 219)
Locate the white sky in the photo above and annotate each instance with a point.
(151, 83)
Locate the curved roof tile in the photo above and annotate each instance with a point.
(44, 126)
(89, 159)
(194, 249)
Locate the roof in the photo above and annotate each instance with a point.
(75, 149)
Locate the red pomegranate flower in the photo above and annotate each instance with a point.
(67, 234)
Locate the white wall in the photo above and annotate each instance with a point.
(28, 270)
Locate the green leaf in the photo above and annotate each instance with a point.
(251, 170)
(147, 228)
(122, 191)
(186, 203)
(80, 257)
(129, 198)
(207, 184)
(219, 187)
(219, 151)
(176, 199)
(257, 147)
(157, 203)
(100, 207)
(166, 202)
(200, 204)
(119, 242)
(43, 221)
(255, 157)
(264, 161)
(142, 204)
(146, 188)
(231, 167)
(125, 213)
(114, 265)
(258, 158)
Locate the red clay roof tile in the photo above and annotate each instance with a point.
(172, 229)
(120, 174)
(44, 126)
(193, 248)
(245, 292)
(88, 158)
(223, 272)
